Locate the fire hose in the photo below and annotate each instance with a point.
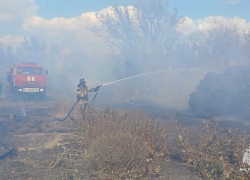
(73, 107)
(10, 150)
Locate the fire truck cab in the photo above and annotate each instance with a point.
(26, 80)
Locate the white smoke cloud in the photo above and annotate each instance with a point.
(14, 41)
(58, 23)
(76, 28)
(58, 26)
(6, 17)
(11, 9)
(61, 27)
(233, 1)
(187, 27)
(208, 22)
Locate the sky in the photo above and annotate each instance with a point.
(66, 21)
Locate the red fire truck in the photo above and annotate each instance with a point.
(26, 80)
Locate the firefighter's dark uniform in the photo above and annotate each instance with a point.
(82, 93)
(9, 77)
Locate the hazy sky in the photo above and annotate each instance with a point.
(65, 21)
(192, 8)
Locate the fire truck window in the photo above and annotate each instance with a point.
(23, 70)
(30, 70)
(36, 71)
(19, 71)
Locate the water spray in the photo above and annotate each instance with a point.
(131, 77)
(23, 111)
(109, 83)
(22, 107)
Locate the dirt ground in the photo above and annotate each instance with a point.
(41, 143)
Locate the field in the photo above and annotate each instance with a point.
(45, 148)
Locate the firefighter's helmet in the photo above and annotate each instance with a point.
(83, 81)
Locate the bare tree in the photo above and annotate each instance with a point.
(7, 56)
(143, 34)
(221, 46)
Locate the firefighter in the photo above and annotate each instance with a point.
(9, 76)
(82, 93)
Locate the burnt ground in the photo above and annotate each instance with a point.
(43, 147)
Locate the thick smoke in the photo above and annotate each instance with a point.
(142, 38)
(147, 40)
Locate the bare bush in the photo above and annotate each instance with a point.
(217, 153)
(120, 146)
(129, 145)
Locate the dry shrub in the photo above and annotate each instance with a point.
(217, 154)
(120, 145)
(128, 145)
(118, 154)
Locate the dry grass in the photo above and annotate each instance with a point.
(217, 153)
(120, 146)
(129, 145)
